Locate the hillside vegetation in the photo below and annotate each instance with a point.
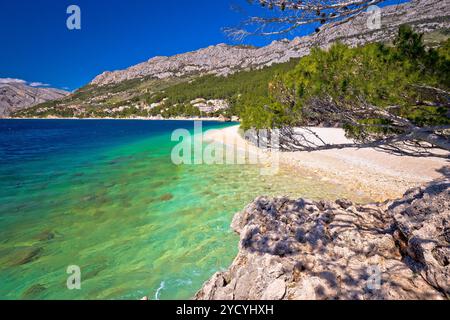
(331, 87)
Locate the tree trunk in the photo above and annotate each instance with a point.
(430, 137)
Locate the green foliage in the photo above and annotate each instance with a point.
(255, 112)
(180, 110)
(375, 74)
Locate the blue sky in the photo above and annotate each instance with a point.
(115, 34)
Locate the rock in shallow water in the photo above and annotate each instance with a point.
(301, 249)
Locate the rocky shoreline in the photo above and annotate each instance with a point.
(314, 250)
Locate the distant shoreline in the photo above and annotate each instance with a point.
(129, 119)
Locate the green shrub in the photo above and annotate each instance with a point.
(373, 74)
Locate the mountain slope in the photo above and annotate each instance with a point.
(425, 16)
(17, 96)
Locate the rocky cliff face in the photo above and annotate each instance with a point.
(425, 16)
(302, 249)
(16, 96)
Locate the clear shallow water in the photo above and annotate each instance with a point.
(105, 196)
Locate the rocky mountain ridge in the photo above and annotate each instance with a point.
(222, 59)
(314, 250)
(15, 96)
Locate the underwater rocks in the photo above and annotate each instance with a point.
(308, 250)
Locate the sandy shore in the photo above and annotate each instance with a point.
(379, 174)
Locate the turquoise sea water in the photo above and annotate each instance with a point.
(105, 196)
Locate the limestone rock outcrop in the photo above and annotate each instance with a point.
(309, 250)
